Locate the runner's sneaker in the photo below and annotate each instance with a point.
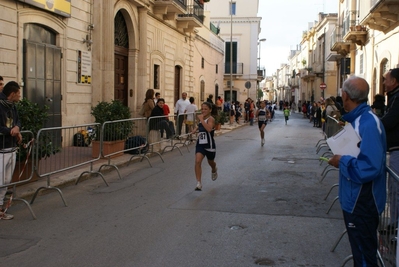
(215, 175)
(262, 142)
(198, 187)
(5, 216)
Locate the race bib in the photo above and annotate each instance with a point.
(202, 138)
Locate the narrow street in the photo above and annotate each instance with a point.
(266, 208)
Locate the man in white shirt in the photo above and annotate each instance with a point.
(180, 107)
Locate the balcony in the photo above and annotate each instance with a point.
(170, 8)
(383, 15)
(308, 75)
(338, 45)
(353, 31)
(238, 69)
(261, 75)
(194, 17)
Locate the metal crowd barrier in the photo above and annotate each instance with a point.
(332, 126)
(61, 149)
(388, 227)
(183, 129)
(21, 170)
(114, 140)
(161, 130)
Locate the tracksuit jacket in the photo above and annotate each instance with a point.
(362, 179)
(390, 120)
(6, 140)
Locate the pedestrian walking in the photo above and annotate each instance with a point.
(205, 146)
(262, 115)
(287, 113)
(362, 178)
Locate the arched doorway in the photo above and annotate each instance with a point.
(42, 70)
(121, 51)
(384, 67)
(177, 83)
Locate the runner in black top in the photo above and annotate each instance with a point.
(205, 146)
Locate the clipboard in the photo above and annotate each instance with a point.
(345, 142)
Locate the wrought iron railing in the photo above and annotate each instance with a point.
(238, 68)
(195, 10)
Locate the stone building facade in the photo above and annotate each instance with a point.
(70, 55)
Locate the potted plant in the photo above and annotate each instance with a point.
(114, 134)
(33, 118)
(220, 119)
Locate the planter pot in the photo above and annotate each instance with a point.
(108, 148)
(218, 127)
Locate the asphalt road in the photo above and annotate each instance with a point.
(266, 208)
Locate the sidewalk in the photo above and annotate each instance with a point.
(70, 177)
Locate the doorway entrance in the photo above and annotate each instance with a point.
(42, 71)
(121, 52)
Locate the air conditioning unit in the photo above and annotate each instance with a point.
(230, 82)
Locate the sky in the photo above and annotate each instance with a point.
(282, 25)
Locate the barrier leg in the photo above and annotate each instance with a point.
(331, 169)
(331, 188)
(142, 157)
(28, 205)
(48, 187)
(338, 240)
(91, 172)
(15, 198)
(346, 260)
(332, 204)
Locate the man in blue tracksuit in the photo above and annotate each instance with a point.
(362, 179)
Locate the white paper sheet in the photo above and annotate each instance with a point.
(345, 142)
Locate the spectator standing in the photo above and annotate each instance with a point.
(304, 109)
(166, 109)
(238, 112)
(246, 109)
(379, 105)
(180, 107)
(1, 83)
(219, 103)
(191, 110)
(10, 128)
(157, 96)
(391, 125)
(319, 113)
(232, 112)
(251, 112)
(362, 178)
(210, 99)
(205, 146)
(149, 103)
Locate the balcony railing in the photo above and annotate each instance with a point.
(182, 3)
(238, 68)
(196, 10)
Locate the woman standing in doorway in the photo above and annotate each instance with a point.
(205, 146)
